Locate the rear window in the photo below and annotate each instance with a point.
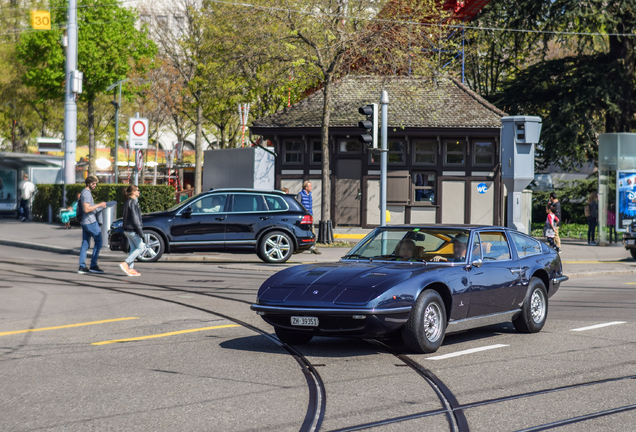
(275, 203)
(525, 246)
(248, 203)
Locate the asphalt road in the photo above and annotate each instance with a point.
(179, 349)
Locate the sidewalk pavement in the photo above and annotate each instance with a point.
(579, 259)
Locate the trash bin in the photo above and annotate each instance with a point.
(109, 214)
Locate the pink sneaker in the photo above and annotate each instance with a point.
(134, 272)
(126, 269)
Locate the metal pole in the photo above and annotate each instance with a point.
(117, 134)
(70, 106)
(136, 171)
(463, 52)
(384, 103)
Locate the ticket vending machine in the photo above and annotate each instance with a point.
(519, 135)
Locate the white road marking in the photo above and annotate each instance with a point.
(468, 351)
(599, 326)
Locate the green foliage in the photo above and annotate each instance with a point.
(151, 198)
(572, 195)
(572, 230)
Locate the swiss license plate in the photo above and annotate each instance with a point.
(304, 321)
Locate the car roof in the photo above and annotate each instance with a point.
(248, 190)
(437, 226)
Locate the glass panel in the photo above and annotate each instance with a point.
(425, 158)
(526, 246)
(292, 146)
(275, 203)
(454, 146)
(411, 244)
(350, 147)
(424, 184)
(293, 152)
(396, 152)
(476, 249)
(425, 146)
(484, 153)
(210, 204)
(495, 246)
(247, 203)
(316, 152)
(455, 159)
(316, 157)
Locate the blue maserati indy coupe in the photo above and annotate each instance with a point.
(422, 281)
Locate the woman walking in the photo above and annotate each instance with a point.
(591, 211)
(133, 230)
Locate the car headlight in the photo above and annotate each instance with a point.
(117, 224)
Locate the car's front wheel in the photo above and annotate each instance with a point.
(424, 331)
(293, 338)
(155, 247)
(535, 308)
(275, 247)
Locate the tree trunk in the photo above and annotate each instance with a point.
(198, 145)
(92, 170)
(324, 132)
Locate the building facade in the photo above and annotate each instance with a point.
(443, 159)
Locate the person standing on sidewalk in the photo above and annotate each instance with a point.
(306, 199)
(591, 211)
(26, 192)
(611, 223)
(556, 209)
(90, 228)
(133, 230)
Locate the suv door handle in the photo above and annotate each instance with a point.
(220, 218)
(264, 217)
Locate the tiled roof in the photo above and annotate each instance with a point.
(413, 102)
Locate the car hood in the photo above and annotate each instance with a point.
(336, 284)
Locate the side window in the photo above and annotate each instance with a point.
(475, 250)
(210, 204)
(275, 203)
(526, 246)
(494, 246)
(248, 203)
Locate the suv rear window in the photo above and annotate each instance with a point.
(276, 203)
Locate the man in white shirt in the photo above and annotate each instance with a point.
(26, 192)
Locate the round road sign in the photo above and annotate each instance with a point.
(139, 128)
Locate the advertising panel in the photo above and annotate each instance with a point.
(625, 199)
(8, 189)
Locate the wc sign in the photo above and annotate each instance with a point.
(482, 188)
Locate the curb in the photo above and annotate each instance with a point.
(52, 249)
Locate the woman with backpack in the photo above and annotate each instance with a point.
(133, 230)
(591, 212)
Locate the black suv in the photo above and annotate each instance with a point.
(270, 223)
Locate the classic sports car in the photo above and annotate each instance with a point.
(422, 281)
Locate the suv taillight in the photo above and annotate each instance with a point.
(307, 219)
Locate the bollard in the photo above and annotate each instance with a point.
(50, 214)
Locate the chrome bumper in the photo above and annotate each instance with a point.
(558, 280)
(327, 311)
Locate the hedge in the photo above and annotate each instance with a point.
(151, 198)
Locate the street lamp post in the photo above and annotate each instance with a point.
(117, 105)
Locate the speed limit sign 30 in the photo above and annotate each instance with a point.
(138, 133)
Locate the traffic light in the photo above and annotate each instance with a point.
(370, 125)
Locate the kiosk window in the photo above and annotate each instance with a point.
(454, 153)
(424, 187)
(293, 152)
(483, 153)
(316, 152)
(424, 152)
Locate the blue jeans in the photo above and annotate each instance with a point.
(91, 230)
(137, 247)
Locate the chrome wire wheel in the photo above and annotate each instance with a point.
(537, 306)
(433, 322)
(153, 247)
(277, 247)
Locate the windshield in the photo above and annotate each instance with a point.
(413, 245)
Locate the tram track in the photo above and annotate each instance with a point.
(317, 394)
(451, 409)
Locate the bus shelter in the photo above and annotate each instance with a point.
(616, 155)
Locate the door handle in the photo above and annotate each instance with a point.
(264, 217)
(515, 271)
(220, 218)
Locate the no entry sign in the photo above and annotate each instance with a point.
(138, 133)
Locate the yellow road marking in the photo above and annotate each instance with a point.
(66, 326)
(349, 236)
(630, 283)
(164, 334)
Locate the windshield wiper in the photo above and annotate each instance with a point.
(353, 256)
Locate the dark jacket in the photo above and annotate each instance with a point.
(132, 217)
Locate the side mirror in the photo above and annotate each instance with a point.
(477, 263)
(187, 212)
